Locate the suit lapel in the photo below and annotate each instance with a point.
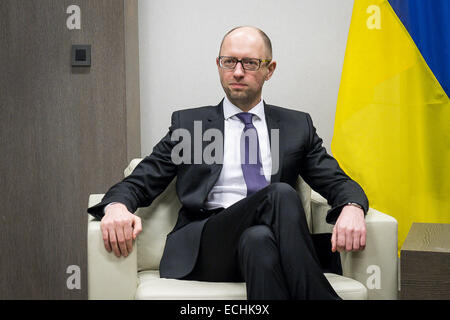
(273, 123)
(215, 120)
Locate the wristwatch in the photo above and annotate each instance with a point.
(355, 205)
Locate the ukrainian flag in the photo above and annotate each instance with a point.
(392, 125)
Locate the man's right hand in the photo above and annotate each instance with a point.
(119, 228)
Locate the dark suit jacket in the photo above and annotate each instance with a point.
(301, 153)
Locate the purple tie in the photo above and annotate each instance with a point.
(251, 166)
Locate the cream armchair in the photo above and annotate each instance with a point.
(368, 274)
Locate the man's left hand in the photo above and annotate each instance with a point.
(349, 232)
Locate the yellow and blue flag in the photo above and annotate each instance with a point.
(392, 124)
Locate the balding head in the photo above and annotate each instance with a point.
(251, 30)
(243, 87)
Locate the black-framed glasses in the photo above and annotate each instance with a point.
(250, 64)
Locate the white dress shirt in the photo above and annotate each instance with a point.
(230, 187)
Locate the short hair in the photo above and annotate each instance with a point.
(266, 39)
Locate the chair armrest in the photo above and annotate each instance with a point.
(109, 277)
(376, 266)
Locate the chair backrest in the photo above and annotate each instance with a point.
(160, 217)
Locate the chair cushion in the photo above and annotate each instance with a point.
(347, 288)
(152, 287)
(157, 221)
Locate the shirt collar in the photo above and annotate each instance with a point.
(229, 109)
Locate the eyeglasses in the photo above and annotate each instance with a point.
(249, 64)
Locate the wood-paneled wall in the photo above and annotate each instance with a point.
(65, 133)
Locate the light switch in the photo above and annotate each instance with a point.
(81, 55)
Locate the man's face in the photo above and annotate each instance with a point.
(242, 87)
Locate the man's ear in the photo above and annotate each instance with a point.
(217, 61)
(271, 67)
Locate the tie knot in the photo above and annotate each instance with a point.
(245, 117)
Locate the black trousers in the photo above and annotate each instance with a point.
(263, 240)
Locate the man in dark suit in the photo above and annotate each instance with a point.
(241, 218)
